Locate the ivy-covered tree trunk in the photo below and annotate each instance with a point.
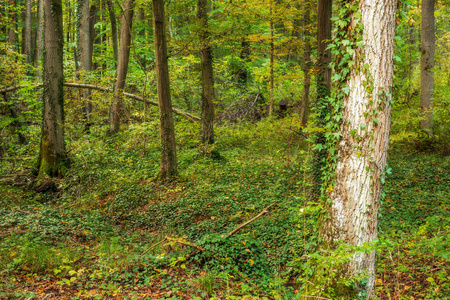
(52, 154)
(426, 67)
(357, 151)
(166, 128)
(323, 90)
(207, 126)
(122, 64)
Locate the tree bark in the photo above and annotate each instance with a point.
(323, 88)
(167, 130)
(362, 151)
(122, 64)
(52, 154)
(40, 35)
(426, 67)
(27, 37)
(207, 126)
(112, 17)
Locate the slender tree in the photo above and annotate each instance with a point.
(354, 191)
(306, 61)
(112, 17)
(166, 129)
(39, 38)
(207, 126)
(84, 53)
(52, 154)
(272, 54)
(122, 64)
(426, 66)
(27, 31)
(12, 34)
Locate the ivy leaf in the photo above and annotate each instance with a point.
(346, 90)
(336, 77)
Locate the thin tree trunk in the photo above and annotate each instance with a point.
(426, 67)
(93, 33)
(167, 130)
(12, 35)
(306, 66)
(352, 216)
(323, 88)
(27, 37)
(207, 127)
(272, 50)
(122, 64)
(52, 154)
(112, 17)
(84, 53)
(40, 35)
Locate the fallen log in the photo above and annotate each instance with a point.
(177, 111)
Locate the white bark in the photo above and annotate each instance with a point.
(361, 162)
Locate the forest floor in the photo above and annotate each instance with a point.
(109, 230)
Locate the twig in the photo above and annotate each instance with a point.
(265, 211)
(153, 246)
(315, 297)
(186, 243)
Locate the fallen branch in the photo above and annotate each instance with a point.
(177, 111)
(153, 246)
(186, 243)
(132, 96)
(265, 211)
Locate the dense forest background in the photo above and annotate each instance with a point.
(226, 207)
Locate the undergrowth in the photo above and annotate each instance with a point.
(110, 230)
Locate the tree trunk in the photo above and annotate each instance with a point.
(40, 35)
(207, 127)
(52, 154)
(12, 35)
(112, 17)
(323, 89)
(272, 51)
(306, 66)
(426, 67)
(362, 150)
(167, 130)
(122, 64)
(84, 53)
(27, 37)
